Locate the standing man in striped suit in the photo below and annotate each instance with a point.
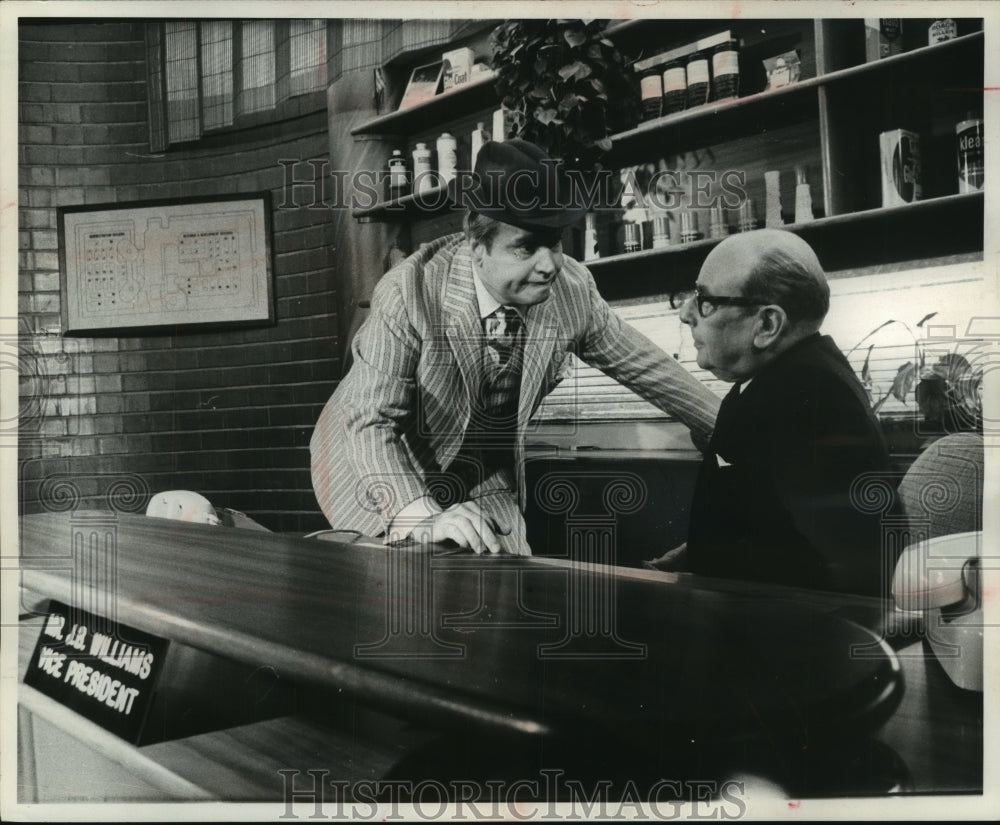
(424, 437)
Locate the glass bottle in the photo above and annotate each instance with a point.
(397, 175)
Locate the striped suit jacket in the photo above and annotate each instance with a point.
(399, 416)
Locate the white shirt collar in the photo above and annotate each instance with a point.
(487, 303)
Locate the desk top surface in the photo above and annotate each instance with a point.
(515, 645)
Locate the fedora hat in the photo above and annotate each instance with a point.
(517, 183)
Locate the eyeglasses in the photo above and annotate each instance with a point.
(707, 304)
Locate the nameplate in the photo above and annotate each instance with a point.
(103, 670)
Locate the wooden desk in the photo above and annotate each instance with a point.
(620, 671)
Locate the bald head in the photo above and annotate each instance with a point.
(776, 267)
(777, 274)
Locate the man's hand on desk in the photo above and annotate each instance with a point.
(469, 527)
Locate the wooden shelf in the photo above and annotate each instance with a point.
(476, 94)
(904, 61)
(736, 117)
(947, 225)
(731, 118)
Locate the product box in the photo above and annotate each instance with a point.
(883, 37)
(457, 67)
(782, 70)
(900, 163)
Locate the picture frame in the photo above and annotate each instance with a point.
(425, 81)
(175, 263)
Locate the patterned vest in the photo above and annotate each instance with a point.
(485, 462)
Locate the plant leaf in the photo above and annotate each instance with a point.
(575, 37)
(568, 71)
(575, 70)
(545, 116)
(569, 101)
(866, 375)
(903, 381)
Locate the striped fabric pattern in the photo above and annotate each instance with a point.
(399, 417)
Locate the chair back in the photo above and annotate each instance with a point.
(943, 488)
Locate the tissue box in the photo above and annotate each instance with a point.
(457, 67)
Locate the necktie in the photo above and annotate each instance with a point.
(502, 328)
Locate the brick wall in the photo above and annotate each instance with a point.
(228, 414)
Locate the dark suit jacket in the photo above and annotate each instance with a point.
(795, 440)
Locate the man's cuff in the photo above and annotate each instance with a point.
(409, 517)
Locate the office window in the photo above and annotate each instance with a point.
(214, 74)
(155, 86)
(183, 119)
(256, 67)
(307, 55)
(217, 74)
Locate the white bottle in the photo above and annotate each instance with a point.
(803, 197)
(590, 250)
(479, 137)
(500, 125)
(772, 199)
(447, 152)
(423, 176)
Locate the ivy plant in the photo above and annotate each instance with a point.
(566, 85)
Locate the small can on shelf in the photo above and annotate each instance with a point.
(726, 70)
(674, 87)
(698, 79)
(900, 165)
(651, 92)
(971, 168)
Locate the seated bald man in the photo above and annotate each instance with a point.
(772, 500)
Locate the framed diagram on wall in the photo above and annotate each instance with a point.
(134, 266)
